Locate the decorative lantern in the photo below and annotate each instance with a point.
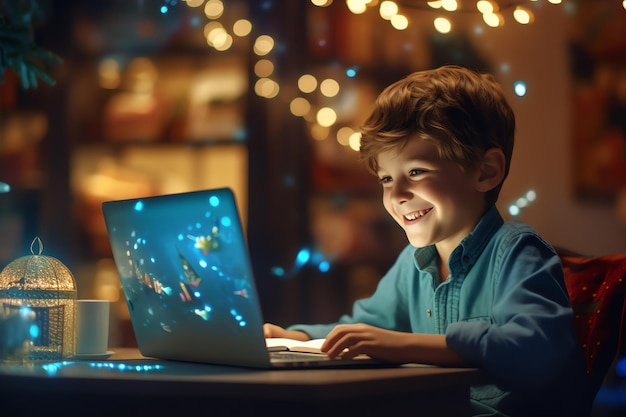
(47, 288)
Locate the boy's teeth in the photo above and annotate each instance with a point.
(416, 215)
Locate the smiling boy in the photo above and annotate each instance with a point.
(469, 289)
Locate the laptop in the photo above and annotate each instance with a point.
(185, 271)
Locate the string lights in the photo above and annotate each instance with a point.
(492, 11)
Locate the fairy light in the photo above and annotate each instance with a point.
(523, 16)
(266, 87)
(299, 106)
(329, 87)
(213, 9)
(326, 117)
(343, 135)
(322, 3)
(522, 202)
(263, 68)
(520, 88)
(442, 25)
(242, 27)
(223, 42)
(388, 9)
(493, 19)
(355, 141)
(486, 6)
(490, 10)
(307, 83)
(263, 45)
(399, 22)
(216, 36)
(212, 26)
(305, 257)
(357, 6)
(449, 5)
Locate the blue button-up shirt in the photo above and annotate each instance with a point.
(504, 308)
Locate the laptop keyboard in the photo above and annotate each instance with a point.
(297, 356)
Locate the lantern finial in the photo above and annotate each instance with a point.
(39, 242)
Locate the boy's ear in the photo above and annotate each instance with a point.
(491, 170)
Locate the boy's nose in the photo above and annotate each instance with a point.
(400, 193)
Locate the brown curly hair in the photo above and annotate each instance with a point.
(463, 112)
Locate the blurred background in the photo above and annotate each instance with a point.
(266, 97)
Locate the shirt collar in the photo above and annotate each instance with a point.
(466, 253)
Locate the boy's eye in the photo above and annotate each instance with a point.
(416, 171)
(384, 180)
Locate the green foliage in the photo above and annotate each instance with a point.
(17, 48)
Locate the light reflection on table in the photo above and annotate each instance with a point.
(128, 382)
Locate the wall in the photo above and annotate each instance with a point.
(542, 158)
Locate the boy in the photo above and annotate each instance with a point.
(469, 289)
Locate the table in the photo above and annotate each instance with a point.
(130, 384)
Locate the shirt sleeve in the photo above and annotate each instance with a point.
(531, 334)
(385, 308)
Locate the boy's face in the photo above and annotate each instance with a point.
(432, 199)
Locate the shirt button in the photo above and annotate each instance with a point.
(430, 313)
(466, 259)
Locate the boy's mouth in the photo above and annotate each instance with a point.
(416, 214)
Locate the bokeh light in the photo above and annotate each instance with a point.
(263, 68)
(520, 88)
(307, 83)
(242, 27)
(326, 117)
(213, 9)
(442, 25)
(329, 87)
(299, 106)
(263, 45)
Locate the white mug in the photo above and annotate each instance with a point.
(92, 327)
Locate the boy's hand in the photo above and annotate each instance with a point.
(350, 340)
(272, 330)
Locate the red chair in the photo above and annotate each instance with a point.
(597, 290)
